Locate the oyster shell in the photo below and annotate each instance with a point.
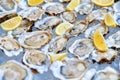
(82, 48)
(64, 0)
(36, 60)
(24, 27)
(50, 21)
(107, 74)
(13, 70)
(85, 7)
(72, 69)
(35, 39)
(79, 27)
(31, 13)
(99, 56)
(68, 16)
(10, 46)
(53, 8)
(7, 7)
(98, 14)
(23, 4)
(102, 27)
(117, 18)
(114, 40)
(116, 6)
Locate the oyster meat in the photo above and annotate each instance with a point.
(24, 27)
(114, 40)
(79, 27)
(35, 39)
(7, 7)
(68, 16)
(47, 22)
(53, 8)
(72, 69)
(10, 46)
(107, 74)
(13, 70)
(36, 60)
(31, 13)
(82, 48)
(102, 27)
(108, 56)
(85, 7)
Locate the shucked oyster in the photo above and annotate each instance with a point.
(32, 13)
(107, 74)
(36, 60)
(10, 46)
(24, 27)
(72, 69)
(79, 27)
(117, 18)
(99, 56)
(13, 70)
(68, 16)
(35, 39)
(7, 7)
(116, 6)
(102, 27)
(85, 7)
(114, 40)
(53, 8)
(82, 48)
(47, 22)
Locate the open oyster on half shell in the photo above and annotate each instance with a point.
(47, 22)
(117, 18)
(107, 74)
(102, 27)
(85, 7)
(114, 40)
(7, 7)
(10, 46)
(35, 39)
(71, 69)
(13, 70)
(105, 56)
(82, 48)
(31, 13)
(53, 8)
(36, 60)
(68, 16)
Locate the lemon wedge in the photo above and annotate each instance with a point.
(12, 23)
(63, 28)
(71, 6)
(99, 41)
(109, 20)
(35, 2)
(57, 57)
(103, 3)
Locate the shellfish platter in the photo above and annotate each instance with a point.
(59, 39)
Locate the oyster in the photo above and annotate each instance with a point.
(36, 60)
(53, 8)
(85, 7)
(35, 39)
(117, 18)
(99, 56)
(81, 48)
(79, 27)
(98, 14)
(102, 27)
(107, 74)
(116, 6)
(64, 0)
(23, 4)
(68, 16)
(10, 46)
(114, 40)
(13, 70)
(7, 7)
(47, 22)
(32, 13)
(72, 69)
(24, 27)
